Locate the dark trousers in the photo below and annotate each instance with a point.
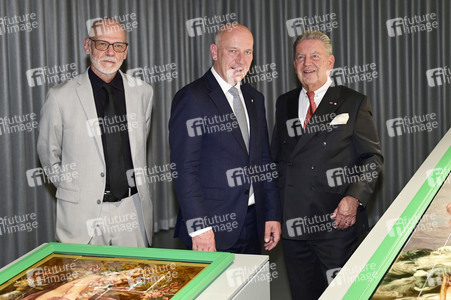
(311, 263)
(248, 242)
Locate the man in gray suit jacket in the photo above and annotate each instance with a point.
(97, 124)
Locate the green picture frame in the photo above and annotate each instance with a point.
(392, 244)
(217, 262)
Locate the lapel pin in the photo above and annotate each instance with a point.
(334, 103)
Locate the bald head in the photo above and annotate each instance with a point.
(231, 28)
(106, 27)
(232, 52)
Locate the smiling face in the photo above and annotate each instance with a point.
(232, 54)
(312, 63)
(105, 64)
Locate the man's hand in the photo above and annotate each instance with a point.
(204, 241)
(345, 213)
(273, 231)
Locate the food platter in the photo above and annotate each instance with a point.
(73, 271)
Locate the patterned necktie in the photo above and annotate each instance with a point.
(240, 114)
(114, 157)
(311, 108)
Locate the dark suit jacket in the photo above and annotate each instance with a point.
(208, 189)
(319, 166)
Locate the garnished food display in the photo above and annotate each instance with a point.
(64, 277)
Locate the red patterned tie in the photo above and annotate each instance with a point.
(311, 108)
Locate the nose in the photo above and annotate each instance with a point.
(307, 61)
(110, 51)
(239, 57)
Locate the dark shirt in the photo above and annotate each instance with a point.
(100, 99)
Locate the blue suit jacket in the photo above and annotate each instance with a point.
(213, 165)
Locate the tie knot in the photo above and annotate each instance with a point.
(311, 96)
(234, 92)
(107, 88)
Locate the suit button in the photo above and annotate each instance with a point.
(99, 202)
(290, 163)
(284, 142)
(312, 188)
(102, 174)
(324, 144)
(246, 192)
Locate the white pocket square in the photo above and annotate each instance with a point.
(341, 119)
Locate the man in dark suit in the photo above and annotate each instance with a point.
(328, 157)
(219, 143)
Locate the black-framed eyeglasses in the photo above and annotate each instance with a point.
(104, 45)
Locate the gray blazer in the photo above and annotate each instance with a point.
(70, 142)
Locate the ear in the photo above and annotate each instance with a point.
(214, 51)
(86, 46)
(331, 61)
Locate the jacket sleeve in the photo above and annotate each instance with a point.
(368, 148)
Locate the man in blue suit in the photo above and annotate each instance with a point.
(219, 143)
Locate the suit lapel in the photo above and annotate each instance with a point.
(330, 103)
(86, 98)
(219, 99)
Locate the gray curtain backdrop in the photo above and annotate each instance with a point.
(396, 52)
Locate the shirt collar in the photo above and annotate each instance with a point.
(322, 90)
(98, 83)
(225, 86)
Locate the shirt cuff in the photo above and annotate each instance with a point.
(199, 232)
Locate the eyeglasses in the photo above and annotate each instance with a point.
(104, 45)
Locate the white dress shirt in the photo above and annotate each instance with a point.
(304, 102)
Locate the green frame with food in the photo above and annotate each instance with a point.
(59, 270)
(393, 261)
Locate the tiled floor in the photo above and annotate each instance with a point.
(279, 283)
